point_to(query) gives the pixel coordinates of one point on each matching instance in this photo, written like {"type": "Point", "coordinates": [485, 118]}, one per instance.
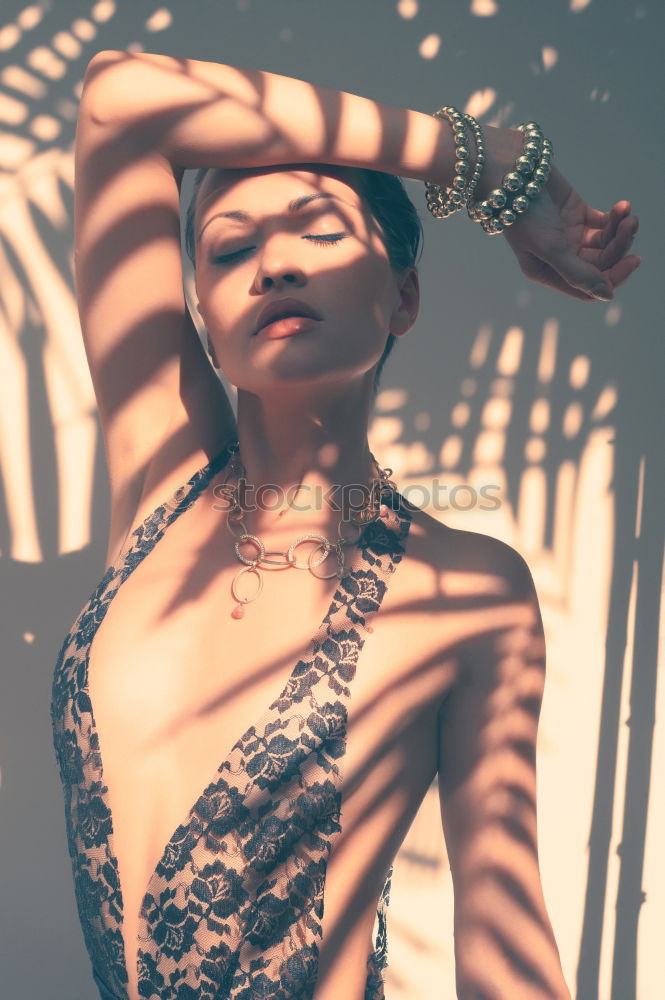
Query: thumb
{"type": "Point", "coordinates": [582, 275]}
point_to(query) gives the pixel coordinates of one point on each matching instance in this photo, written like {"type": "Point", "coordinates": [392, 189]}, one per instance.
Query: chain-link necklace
{"type": "Point", "coordinates": [235, 521]}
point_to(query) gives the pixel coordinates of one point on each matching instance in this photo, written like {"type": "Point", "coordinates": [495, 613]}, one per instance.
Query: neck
{"type": "Point", "coordinates": [305, 461]}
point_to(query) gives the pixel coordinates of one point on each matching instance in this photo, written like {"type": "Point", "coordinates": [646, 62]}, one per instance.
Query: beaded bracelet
{"type": "Point", "coordinates": [458, 193]}
{"type": "Point", "coordinates": [520, 185]}
{"type": "Point", "coordinates": [474, 125]}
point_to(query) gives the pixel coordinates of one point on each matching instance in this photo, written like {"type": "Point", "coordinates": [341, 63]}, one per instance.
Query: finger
{"type": "Point", "coordinates": [594, 217]}
{"type": "Point", "coordinates": [623, 270]}
{"type": "Point", "coordinates": [616, 248]}
{"type": "Point", "coordinates": [542, 274]}
{"type": "Point", "coordinates": [559, 285]}
{"type": "Point", "coordinates": [620, 271]}
{"type": "Point", "coordinates": [581, 274]}
{"type": "Point", "coordinates": [603, 225]}
{"type": "Point", "coordinates": [619, 246]}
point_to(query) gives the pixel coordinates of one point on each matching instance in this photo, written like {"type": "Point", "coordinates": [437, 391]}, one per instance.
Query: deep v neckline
{"type": "Point", "coordinates": [374, 540]}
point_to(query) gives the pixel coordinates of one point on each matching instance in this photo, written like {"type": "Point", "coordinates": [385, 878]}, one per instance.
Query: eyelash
{"type": "Point", "coordinates": [323, 240]}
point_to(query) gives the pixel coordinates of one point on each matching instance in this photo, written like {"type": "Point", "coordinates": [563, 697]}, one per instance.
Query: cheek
{"type": "Point", "coordinates": [219, 301]}
{"type": "Point", "coordinates": [372, 290]}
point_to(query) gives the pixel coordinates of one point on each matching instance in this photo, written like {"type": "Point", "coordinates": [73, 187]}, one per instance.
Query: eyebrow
{"type": "Point", "coordinates": [293, 207]}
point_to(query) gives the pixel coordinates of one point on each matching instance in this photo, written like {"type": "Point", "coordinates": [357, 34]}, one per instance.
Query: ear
{"type": "Point", "coordinates": [405, 312]}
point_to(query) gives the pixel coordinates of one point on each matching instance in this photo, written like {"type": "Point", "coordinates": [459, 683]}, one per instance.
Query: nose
{"type": "Point", "coordinates": [275, 270]}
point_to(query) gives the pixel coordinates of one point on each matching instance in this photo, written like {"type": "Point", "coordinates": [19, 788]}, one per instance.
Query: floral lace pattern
{"type": "Point", "coordinates": [233, 908]}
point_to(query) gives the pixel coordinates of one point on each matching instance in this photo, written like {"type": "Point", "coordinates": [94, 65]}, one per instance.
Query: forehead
{"type": "Point", "coordinates": [269, 189]}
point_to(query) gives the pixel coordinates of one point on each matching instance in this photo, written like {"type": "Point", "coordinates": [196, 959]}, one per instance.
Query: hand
{"type": "Point", "coordinates": [561, 242]}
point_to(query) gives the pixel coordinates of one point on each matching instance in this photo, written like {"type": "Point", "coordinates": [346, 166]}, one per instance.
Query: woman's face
{"type": "Point", "coordinates": [328, 253]}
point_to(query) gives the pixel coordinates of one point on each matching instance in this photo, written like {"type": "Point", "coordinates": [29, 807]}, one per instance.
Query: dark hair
{"type": "Point", "coordinates": [387, 199]}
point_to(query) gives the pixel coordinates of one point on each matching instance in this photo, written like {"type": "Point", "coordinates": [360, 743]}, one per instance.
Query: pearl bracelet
{"type": "Point", "coordinates": [520, 185]}
{"type": "Point", "coordinates": [461, 188]}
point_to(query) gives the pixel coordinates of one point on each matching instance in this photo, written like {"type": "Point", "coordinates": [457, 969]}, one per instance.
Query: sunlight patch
{"type": "Point", "coordinates": [160, 20]}
{"type": "Point", "coordinates": [103, 11]}
{"type": "Point", "coordinates": [407, 9]}
{"type": "Point", "coordinates": [429, 47]}
{"type": "Point", "coordinates": [484, 8]}
{"type": "Point", "coordinates": [480, 102]}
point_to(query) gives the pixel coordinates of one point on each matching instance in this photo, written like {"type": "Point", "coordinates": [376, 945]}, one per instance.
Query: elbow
{"type": "Point", "coordinates": [102, 83]}
{"type": "Point", "coordinates": [100, 62]}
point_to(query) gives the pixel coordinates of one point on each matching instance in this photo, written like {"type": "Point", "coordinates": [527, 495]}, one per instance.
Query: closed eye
{"type": "Point", "coordinates": [323, 239]}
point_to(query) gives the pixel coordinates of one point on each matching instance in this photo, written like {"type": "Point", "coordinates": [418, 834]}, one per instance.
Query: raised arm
{"type": "Point", "coordinates": [210, 114]}
{"type": "Point", "coordinates": [142, 120]}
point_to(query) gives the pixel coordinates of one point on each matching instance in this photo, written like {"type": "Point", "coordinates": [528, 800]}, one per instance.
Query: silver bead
{"type": "Point", "coordinates": [531, 127]}
{"type": "Point", "coordinates": [507, 216]}
{"type": "Point", "coordinates": [524, 164]}
{"type": "Point", "coordinates": [520, 204]}
{"type": "Point", "coordinates": [539, 174]}
{"type": "Point", "coordinates": [459, 193]}
{"type": "Point", "coordinates": [485, 210]}
{"type": "Point", "coordinates": [513, 181]}
{"type": "Point", "coordinates": [497, 198]}
{"type": "Point", "coordinates": [531, 149]}
{"type": "Point", "coordinates": [533, 189]}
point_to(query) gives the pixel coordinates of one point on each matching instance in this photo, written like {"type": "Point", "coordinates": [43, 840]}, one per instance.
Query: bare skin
{"type": "Point", "coordinates": [455, 594]}
{"type": "Point", "coordinates": [464, 692]}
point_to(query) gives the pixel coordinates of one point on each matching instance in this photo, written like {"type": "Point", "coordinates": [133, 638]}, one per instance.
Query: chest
{"type": "Point", "coordinates": [175, 683]}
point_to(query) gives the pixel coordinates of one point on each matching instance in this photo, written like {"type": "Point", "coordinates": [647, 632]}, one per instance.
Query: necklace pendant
{"type": "Point", "coordinates": [238, 611]}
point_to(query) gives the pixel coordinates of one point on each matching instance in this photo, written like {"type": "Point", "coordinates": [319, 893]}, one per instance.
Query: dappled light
{"type": "Point", "coordinates": [407, 8]}
{"type": "Point", "coordinates": [484, 8]}
{"type": "Point", "coordinates": [429, 47]}
{"type": "Point", "coordinates": [508, 411]}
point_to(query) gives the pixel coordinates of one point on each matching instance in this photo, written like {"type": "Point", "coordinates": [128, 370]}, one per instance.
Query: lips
{"type": "Point", "coordinates": [284, 307]}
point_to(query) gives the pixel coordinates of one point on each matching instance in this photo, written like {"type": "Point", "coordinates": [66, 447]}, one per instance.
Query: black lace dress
{"type": "Point", "coordinates": [233, 908]}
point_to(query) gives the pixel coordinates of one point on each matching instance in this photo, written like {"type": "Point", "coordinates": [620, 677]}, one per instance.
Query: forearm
{"type": "Point", "coordinates": [210, 114]}
{"type": "Point", "coordinates": [508, 957]}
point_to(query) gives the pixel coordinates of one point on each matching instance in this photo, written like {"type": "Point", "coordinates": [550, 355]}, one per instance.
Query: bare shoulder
{"type": "Point", "coordinates": [470, 563]}
{"type": "Point", "coordinates": [479, 595]}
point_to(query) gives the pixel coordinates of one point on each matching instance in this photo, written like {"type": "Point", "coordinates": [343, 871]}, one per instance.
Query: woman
{"type": "Point", "coordinates": [408, 649]}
